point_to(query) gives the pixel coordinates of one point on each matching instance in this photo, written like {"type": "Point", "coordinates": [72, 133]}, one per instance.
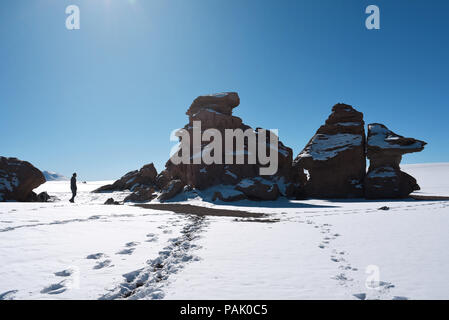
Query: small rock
{"type": "Point", "coordinates": [43, 197]}
{"type": "Point", "coordinates": [111, 201]}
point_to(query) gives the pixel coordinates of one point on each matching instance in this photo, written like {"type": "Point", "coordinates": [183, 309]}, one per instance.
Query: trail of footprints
{"type": "Point", "coordinates": [346, 270]}
{"type": "Point", "coordinates": [170, 259]}
{"type": "Point", "coordinates": [148, 282]}
{"type": "Point", "coordinates": [62, 286]}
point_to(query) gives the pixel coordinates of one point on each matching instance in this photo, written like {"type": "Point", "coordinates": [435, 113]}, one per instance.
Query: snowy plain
{"type": "Point", "coordinates": [312, 249]}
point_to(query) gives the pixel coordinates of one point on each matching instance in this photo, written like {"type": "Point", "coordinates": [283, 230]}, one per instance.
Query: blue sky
{"type": "Point", "coordinates": [103, 100]}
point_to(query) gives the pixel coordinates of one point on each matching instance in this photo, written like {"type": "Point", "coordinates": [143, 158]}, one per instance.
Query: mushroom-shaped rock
{"type": "Point", "coordinates": [384, 150]}
{"type": "Point", "coordinates": [215, 112]}
{"type": "Point", "coordinates": [220, 102]}
{"type": "Point", "coordinates": [335, 156]}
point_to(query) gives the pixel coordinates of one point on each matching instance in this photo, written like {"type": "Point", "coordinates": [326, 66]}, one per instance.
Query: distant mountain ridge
{"type": "Point", "coordinates": [53, 176]}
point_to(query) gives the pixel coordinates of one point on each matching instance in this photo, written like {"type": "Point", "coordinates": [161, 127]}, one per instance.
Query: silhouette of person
{"type": "Point", "coordinates": [73, 187]}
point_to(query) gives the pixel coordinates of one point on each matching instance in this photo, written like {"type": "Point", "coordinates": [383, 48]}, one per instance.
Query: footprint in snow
{"type": "Point", "coordinates": [342, 278]}
{"type": "Point", "coordinates": [151, 237]}
{"type": "Point", "coordinates": [131, 276]}
{"type": "Point", "coordinates": [360, 296]}
{"type": "Point", "coordinates": [335, 259]}
{"type": "Point", "coordinates": [382, 286]}
{"type": "Point", "coordinates": [400, 298]}
{"type": "Point", "coordinates": [102, 264]}
{"type": "Point", "coordinates": [56, 288]}
{"type": "Point", "coordinates": [96, 256]}
{"type": "Point", "coordinates": [348, 267]}
{"type": "Point", "coordinates": [132, 244]}
{"type": "Point", "coordinates": [64, 273]}
{"type": "Point", "coordinates": [8, 295]}
{"type": "Point", "coordinates": [385, 285]}
{"type": "Point", "coordinates": [128, 251]}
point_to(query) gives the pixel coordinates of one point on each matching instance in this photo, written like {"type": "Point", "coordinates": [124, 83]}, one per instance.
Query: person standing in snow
{"type": "Point", "coordinates": [73, 187]}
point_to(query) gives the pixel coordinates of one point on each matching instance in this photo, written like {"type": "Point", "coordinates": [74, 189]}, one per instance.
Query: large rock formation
{"type": "Point", "coordinates": [144, 177]}
{"type": "Point", "coordinates": [18, 179]}
{"type": "Point", "coordinates": [142, 183]}
{"type": "Point", "coordinates": [384, 150]}
{"type": "Point", "coordinates": [332, 165]}
{"type": "Point", "coordinates": [215, 112]}
{"type": "Point", "coordinates": [335, 156]}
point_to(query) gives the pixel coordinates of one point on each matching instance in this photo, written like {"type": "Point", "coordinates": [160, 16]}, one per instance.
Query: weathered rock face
{"type": "Point", "coordinates": [257, 188]}
{"type": "Point", "coordinates": [173, 188]}
{"type": "Point", "coordinates": [141, 194]}
{"type": "Point", "coordinates": [215, 112]}
{"type": "Point", "coordinates": [18, 179]}
{"type": "Point", "coordinates": [143, 183]}
{"type": "Point", "coordinates": [384, 150]}
{"type": "Point", "coordinates": [144, 177]}
{"type": "Point", "coordinates": [222, 103]}
{"type": "Point", "coordinates": [335, 156]}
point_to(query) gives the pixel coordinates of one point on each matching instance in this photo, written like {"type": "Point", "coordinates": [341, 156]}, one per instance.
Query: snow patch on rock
{"type": "Point", "coordinates": [326, 146]}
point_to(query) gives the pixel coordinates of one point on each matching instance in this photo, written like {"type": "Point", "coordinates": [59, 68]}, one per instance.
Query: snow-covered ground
{"type": "Point", "coordinates": [314, 249]}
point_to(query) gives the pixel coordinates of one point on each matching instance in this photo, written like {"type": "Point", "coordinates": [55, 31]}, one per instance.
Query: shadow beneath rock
{"type": "Point", "coordinates": [280, 203]}
{"type": "Point", "coordinates": [199, 210]}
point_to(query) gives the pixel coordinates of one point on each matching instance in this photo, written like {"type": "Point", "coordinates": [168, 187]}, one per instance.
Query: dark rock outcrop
{"type": "Point", "coordinates": [222, 103]}
{"type": "Point", "coordinates": [258, 188]}
{"type": "Point", "coordinates": [44, 197]}
{"type": "Point", "coordinates": [111, 201]}
{"type": "Point", "coordinates": [384, 150]}
{"type": "Point", "coordinates": [335, 157]}
{"type": "Point", "coordinates": [145, 177]}
{"type": "Point", "coordinates": [332, 165]}
{"type": "Point", "coordinates": [172, 189]}
{"type": "Point", "coordinates": [18, 179]}
{"type": "Point", "coordinates": [142, 194]}
{"type": "Point", "coordinates": [215, 112]}
{"type": "Point", "coordinates": [232, 196]}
